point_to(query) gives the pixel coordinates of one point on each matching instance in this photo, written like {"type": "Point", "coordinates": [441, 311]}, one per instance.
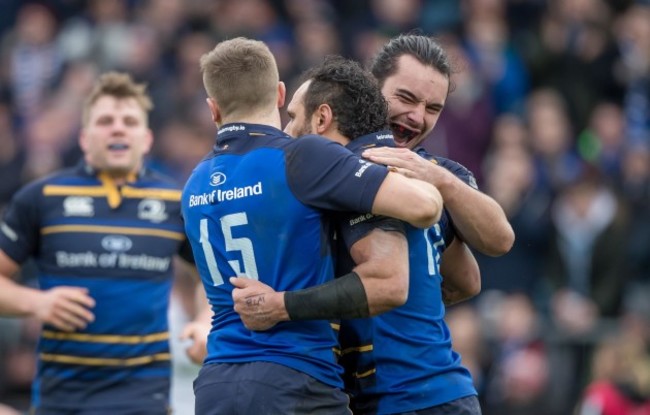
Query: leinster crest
{"type": "Point", "coordinates": [152, 209]}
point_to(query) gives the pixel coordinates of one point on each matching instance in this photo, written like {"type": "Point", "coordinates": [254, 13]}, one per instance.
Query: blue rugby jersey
{"type": "Point", "coordinates": [118, 242]}
{"type": "Point", "coordinates": [350, 227]}
{"type": "Point", "coordinates": [403, 360]}
{"type": "Point", "coordinates": [255, 207]}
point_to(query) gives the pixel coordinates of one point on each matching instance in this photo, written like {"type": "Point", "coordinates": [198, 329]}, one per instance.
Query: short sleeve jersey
{"type": "Point", "coordinates": [255, 207]}
{"type": "Point", "coordinates": [117, 242]}
{"type": "Point", "coordinates": [402, 360]}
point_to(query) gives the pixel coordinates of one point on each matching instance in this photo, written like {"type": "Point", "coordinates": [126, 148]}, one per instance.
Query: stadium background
{"type": "Point", "coordinates": [551, 111]}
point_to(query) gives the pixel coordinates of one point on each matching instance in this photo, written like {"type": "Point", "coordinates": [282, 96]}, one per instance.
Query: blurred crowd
{"type": "Point", "coordinates": [550, 110]}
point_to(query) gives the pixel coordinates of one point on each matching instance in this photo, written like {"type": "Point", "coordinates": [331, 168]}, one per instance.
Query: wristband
{"type": "Point", "coordinates": [344, 297]}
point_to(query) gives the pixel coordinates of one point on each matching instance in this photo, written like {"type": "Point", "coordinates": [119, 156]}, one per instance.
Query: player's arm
{"type": "Point", "coordinates": [411, 200]}
{"type": "Point", "coordinates": [325, 175]}
{"type": "Point", "coordinates": [460, 272]}
{"type": "Point", "coordinates": [66, 308]}
{"type": "Point", "coordinates": [377, 284]}
{"type": "Point", "coordinates": [383, 268]}
{"type": "Point", "coordinates": [478, 218]}
{"type": "Point", "coordinates": [196, 331]}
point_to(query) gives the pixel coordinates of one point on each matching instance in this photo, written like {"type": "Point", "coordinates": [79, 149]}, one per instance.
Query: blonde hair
{"type": "Point", "coordinates": [241, 75]}
{"type": "Point", "coordinates": [121, 86]}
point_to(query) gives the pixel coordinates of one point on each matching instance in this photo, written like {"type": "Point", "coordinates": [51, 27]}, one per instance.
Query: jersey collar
{"type": "Point", "coordinates": [231, 131]}
{"type": "Point", "coordinates": [379, 139]}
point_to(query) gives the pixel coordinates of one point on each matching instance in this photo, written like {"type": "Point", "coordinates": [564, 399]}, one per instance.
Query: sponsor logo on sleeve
{"type": "Point", "coordinates": [8, 232]}
{"type": "Point", "coordinates": [363, 168]}
{"type": "Point", "coordinates": [472, 182]}
{"type": "Point", "coordinates": [361, 218]}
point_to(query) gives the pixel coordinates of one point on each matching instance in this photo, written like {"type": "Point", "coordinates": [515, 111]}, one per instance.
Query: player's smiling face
{"type": "Point", "coordinates": [416, 95]}
{"type": "Point", "coordinates": [116, 136]}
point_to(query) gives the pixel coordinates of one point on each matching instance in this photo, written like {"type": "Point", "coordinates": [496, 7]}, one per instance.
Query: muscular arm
{"type": "Point", "coordinates": [478, 218]}
{"type": "Point", "coordinates": [382, 264]}
{"type": "Point", "coordinates": [410, 200]}
{"type": "Point", "coordinates": [382, 258]}
{"type": "Point", "coordinates": [66, 308]}
{"type": "Point", "coordinates": [461, 274]}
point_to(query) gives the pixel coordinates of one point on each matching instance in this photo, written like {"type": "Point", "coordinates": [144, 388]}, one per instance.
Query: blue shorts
{"type": "Point", "coordinates": [134, 396]}
{"type": "Point", "coordinates": [264, 388]}
{"type": "Point", "coordinates": [464, 406]}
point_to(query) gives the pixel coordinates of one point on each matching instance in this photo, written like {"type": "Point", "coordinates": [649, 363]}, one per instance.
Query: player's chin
{"type": "Point", "coordinates": [119, 168]}
{"type": "Point", "coordinates": [401, 143]}
{"type": "Point", "coordinates": [410, 143]}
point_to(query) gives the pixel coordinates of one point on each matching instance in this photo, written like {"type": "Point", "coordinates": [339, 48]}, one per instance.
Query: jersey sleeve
{"type": "Point", "coordinates": [458, 170]}
{"type": "Point", "coordinates": [352, 227]}
{"type": "Point", "coordinates": [464, 174]}
{"type": "Point", "coordinates": [326, 175]}
{"type": "Point", "coordinates": [19, 230]}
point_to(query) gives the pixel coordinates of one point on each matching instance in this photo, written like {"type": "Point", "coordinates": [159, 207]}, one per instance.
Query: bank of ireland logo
{"type": "Point", "coordinates": [217, 179]}
{"type": "Point", "coordinates": [116, 243]}
{"type": "Point", "coordinates": [152, 209]}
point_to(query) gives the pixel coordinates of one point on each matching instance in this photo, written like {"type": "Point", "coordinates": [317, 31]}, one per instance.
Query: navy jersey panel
{"type": "Point", "coordinates": [326, 175]}
{"type": "Point", "coordinates": [118, 242]}
{"type": "Point", "coordinates": [351, 227]}
{"type": "Point", "coordinates": [254, 208]}
{"type": "Point", "coordinates": [402, 360]}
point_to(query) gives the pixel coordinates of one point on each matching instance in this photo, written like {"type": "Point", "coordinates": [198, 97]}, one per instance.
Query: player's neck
{"type": "Point", "coordinates": [337, 137]}
{"type": "Point", "coordinates": [271, 119]}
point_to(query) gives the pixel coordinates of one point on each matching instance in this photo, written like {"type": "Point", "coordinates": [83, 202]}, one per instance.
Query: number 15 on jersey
{"type": "Point", "coordinates": [243, 245]}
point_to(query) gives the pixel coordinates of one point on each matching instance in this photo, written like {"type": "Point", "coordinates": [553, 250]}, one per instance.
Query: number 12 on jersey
{"type": "Point", "coordinates": [243, 245]}
{"type": "Point", "coordinates": [433, 261]}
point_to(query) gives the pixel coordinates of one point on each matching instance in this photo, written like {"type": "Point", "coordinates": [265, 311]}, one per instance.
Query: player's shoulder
{"type": "Point", "coordinates": [156, 179]}
{"type": "Point", "coordinates": [455, 167]}
{"type": "Point", "coordinates": [317, 146]}
{"type": "Point", "coordinates": [36, 187]}
{"type": "Point", "coordinates": [313, 140]}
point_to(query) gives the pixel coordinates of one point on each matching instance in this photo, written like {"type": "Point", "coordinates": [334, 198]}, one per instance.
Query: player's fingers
{"type": "Point", "coordinates": [71, 319]}
{"type": "Point", "coordinates": [401, 170]}
{"type": "Point", "coordinates": [196, 353]}
{"type": "Point", "coordinates": [239, 282]}
{"type": "Point", "coordinates": [77, 310]}
{"type": "Point", "coordinates": [61, 324]}
{"type": "Point", "coordinates": [389, 161]}
{"type": "Point", "coordinates": [187, 333]}
{"type": "Point", "coordinates": [386, 152]}
{"type": "Point", "coordinates": [80, 295]}
{"type": "Point", "coordinates": [378, 152]}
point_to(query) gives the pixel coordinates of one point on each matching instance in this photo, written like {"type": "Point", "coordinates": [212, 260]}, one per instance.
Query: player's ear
{"type": "Point", "coordinates": [83, 140]}
{"type": "Point", "coordinates": [214, 110]}
{"type": "Point", "coordinates": [148, 141]}
{"type": "Point", "coordinates": [282, 94]}
{"type": "Point", "coordinates": [324, 118]}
